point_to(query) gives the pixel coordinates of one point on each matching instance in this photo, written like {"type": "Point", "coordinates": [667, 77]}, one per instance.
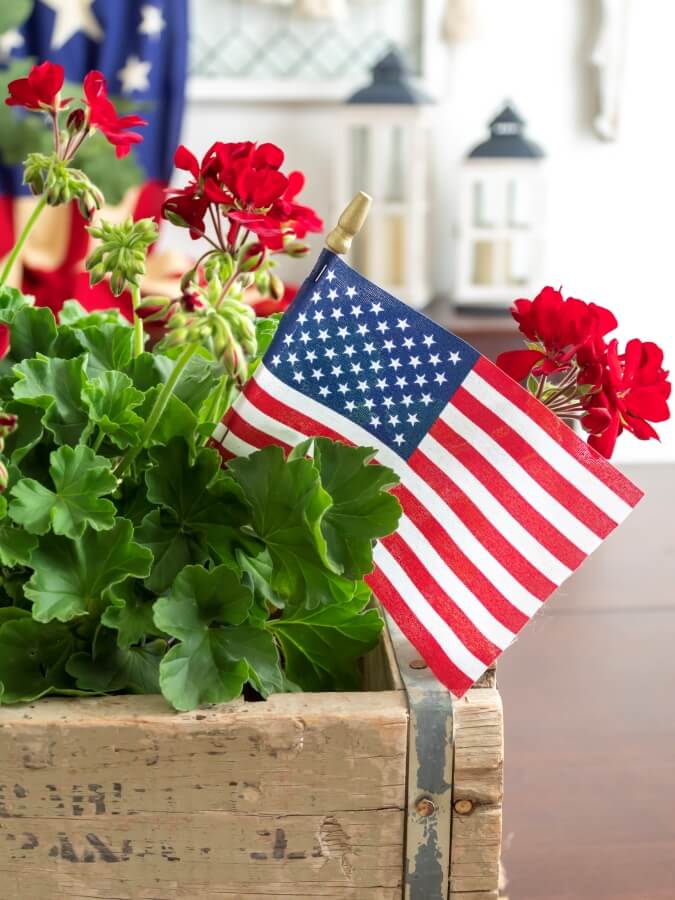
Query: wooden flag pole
{"type": "Point", "coordinates": [339, 240]}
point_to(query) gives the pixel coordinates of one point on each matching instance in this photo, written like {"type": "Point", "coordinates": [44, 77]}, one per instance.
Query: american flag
{"type": "Point", "coordinates": [501, 500]}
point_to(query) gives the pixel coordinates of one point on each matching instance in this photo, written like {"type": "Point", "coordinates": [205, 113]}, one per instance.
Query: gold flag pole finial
{"type": "Point", "coordinates": [339, 240]}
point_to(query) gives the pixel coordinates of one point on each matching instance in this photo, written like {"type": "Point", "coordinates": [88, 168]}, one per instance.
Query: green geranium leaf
{"type": "Point", "coordinates": [33, 331]}
{"type": "Point", "coordinates": [321, 646]}
{"type": "Point", "coordinates": [108, 346]}
{"type": "Point", "coordinates": [73, 313]}
{"type": "Point", "coordinates": [29, 432]}
{"type": "Point", "coordinates": [173, 547]}
{"type": "Point", "coordinates": [11, 301]}
{"type": "Point", "coordinates": [54, 385]}
{"type": "Point", "coordinates": [70, 577]}
{"type": "Point", "coordinates": [80, 479]}
{"type": "Point", "coordinates": [183, 487]}
{"type": "Point", "coordinates": [288, 505]}
{"type": "Point", "coordinates": [130, 613]}
{"type": "Point", "coordinates": [32, 659]}
{"type": "Point", "coordinates": [202, 668]}
{"type": "Point", "coordinates": [201, 672]}
{"type": "Point", "coordinates": [111, 400]}
{"type": "Point", "coordinates": [16, 546]}
{"type": "Point", "coordinates": [113, 668]}
{"type": "Point", "coordinates": [200, 598]}
{"type": "Point", "coordinates": [362, 509]}
{"type": "Point", "coordinates": [10, 613]}
{"type": "Point", "coordinates": [177, 420]}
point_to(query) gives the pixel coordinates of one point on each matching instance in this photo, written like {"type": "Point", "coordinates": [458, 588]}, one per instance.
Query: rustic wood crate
{"type": "Point", "coordinates": [304, 796]}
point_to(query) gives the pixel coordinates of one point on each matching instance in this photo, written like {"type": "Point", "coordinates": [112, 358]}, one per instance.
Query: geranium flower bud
{"type": "Point", "coordinates": [8, 423]}
{"type": "Point", "coordinates": [75, 121]}
{"type": "Point", "coordinates": [4, 477]}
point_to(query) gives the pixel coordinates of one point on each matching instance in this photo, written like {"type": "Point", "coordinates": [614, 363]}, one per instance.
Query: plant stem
{"type": "Point", "coordinates": [32, 219]}
{"type": "Point", "coordinates": [157, 410]}
{"type": "Point", "coordinates": [138, 322]}
{"type": "Point", "coordinates": [99, 440]}
{"type": "Point", "coordinates": [226, 287]}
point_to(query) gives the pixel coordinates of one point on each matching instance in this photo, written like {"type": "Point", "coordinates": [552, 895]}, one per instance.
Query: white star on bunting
{"type": "Point", "coordinates": [9, 41]}
{"type": "Point", "coordinates": [135, 76]}
{"type": "Point", "coordinates": [73, 16]}
{"type": "Point", "coordinates": [153, 21]}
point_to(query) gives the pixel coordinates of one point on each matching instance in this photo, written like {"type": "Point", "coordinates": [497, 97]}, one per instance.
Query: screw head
{"type": "Point", "coordinates": [463, 807]}
{"type": "Point", "coordinates": [418, 664]}
{"type": "Point", "coordinates": [425, 807]}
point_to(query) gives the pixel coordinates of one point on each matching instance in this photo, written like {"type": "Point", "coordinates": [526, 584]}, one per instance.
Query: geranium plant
{"type": "Point", "coordinates": [581, 375]}
{"type": "Point", "coordinates": [131, 559]}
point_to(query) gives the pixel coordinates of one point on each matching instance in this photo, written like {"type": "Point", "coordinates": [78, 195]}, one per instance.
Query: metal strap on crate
{"type": "Point", "coordinates": [430, 772]}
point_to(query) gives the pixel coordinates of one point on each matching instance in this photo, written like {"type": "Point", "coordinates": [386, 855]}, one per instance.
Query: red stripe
{"type": "Point", "coordinates": [225, 455]}
{"type": "Point", "coordinates": [494, 482]}
{"type": "Point", "coordinates": [562, 433]}
{"type": "Point", "coordinates": [480, 586]}
{"type": "Point", "coordinates": [552, 481]}
{"type": "Point", "coordinates": [241, 429]}
{"type": "Point", "coordinates": [472, 638]}
{"type": "Point", "coordinates": [437, 660]}
{"type": "Point", "coordinates": [282, 413]}
{"type": "Point", "coordinates": [502, 550]}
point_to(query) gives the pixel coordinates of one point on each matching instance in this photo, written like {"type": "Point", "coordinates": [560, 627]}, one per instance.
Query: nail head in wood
{"type": "Point", "coordinates": [349, 224]}
{"type": "Point", "coordinates": [418, 664]}
{"type": "Point", "coordinates": [463, 807]}
{"type": "Point", "coordinates": [425, 807]}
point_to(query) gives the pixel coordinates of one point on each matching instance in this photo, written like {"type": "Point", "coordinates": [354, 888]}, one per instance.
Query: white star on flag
{"type": "Point", "coordinates": [135, 76]}
{"type": "Point", "coordinates": [153, 21]}
{"type": "Point", "coordinates": [73, 16]}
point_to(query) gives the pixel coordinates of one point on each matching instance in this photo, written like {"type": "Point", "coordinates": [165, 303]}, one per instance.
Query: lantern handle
{"type": "Point", "coordinates": [339, 240]}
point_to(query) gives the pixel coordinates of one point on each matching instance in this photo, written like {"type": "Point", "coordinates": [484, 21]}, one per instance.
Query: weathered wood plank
{"type": "Point", "coordinates": [477, 795]}
{"type": "Point", "coordinates": [121, 799]}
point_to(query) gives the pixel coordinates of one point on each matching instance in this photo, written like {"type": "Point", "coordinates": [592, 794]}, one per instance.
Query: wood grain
{"type": "Point", "coordinates": [477, 794]}
{"type": "Point", "coordinates": [301, 796]}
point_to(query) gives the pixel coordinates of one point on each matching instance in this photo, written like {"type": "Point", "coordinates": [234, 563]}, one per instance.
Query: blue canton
{"type": "Point", "coordinates": [366, 355]}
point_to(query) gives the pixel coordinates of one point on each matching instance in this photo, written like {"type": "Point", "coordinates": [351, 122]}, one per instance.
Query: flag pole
{"type": "Point", "coordinates": [339, 240]}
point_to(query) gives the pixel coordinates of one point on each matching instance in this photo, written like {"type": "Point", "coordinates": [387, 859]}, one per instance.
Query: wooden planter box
{"type": "Point", "coordinates": [351, 796]}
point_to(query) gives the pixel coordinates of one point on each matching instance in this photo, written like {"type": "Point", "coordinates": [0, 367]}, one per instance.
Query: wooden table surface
{"type": "Point", "coordinates": [589, 699]}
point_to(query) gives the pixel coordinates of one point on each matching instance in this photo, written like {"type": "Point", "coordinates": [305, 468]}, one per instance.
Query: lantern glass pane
{"type": "Point", "coordinates": [517, 261]}
{"type": "Point", "coordinates": [486, 204]}
{"type": "Point", "coordinates": [519, 203]}
{"type": "Point", "coordinates": [395, 171]}
{"type": "Point", "coordinates": [484, 268]}
{"type": "Point", "coordinates": [361, 150]}
{"type": "Point", "coordinates": [394, 249]}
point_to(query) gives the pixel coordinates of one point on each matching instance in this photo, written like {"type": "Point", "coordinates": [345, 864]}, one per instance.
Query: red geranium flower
{"type": "Point", "coordinates": [102, 115]}
{"type": "Point", "coordinates": [557, 330]}
{"type": "Point", "coordinates": [188, 206]}
{"type": "Point", "coordinates": [39, 90]}
{"type": "Point", "coordinates": [634, 392]}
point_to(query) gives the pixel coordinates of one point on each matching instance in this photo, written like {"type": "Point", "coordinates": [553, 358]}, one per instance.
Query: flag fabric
{"type": "Point", "coordinates": [501, 500]}
{"type": "Point", "coordinates": [140, 46]}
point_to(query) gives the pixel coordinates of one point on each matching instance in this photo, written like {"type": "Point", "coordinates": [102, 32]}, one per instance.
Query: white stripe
{"type": "Point", "coordinates": [237, 446]}
{"type": "Point", "coordinates": [555, 455]}
{"type": "Point", "coordinates": [502, 579]}
{"type": "Point", "coordinates": [446, 638]}
{"type": "Point", "coordinates": [263, 422]}
{"type": "Point", "coordinates": [520, 538]}
{"type": "Point", "coordinates": [482, 618]}
{"type": "Point", "coordinates": [532, 492]}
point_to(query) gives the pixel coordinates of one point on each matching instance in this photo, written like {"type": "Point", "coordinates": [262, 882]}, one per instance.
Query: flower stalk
{"type": "Point", "coordinates": [18, 246]}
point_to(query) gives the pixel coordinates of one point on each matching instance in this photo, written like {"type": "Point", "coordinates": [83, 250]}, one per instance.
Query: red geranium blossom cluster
{"type": "Point", "coordinates": [579, 374]}
{"type": "Point", "coordinates": [41, 91]}
{"type": "Point", "coordinates": [242, 182]}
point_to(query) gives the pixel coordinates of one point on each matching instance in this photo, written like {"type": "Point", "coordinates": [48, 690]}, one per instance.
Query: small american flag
{"type": "Point", "coordinates": [501, 500]}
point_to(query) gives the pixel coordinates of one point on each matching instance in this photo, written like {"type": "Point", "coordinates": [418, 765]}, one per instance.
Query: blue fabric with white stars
{"type": "Point", "coordinates": [141, 48]}
{"type": "Point", "coordinates": [366, 355]}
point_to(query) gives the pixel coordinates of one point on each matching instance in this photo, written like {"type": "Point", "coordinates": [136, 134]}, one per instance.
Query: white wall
{"type": "Point", "coordinates": [611, 206]}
